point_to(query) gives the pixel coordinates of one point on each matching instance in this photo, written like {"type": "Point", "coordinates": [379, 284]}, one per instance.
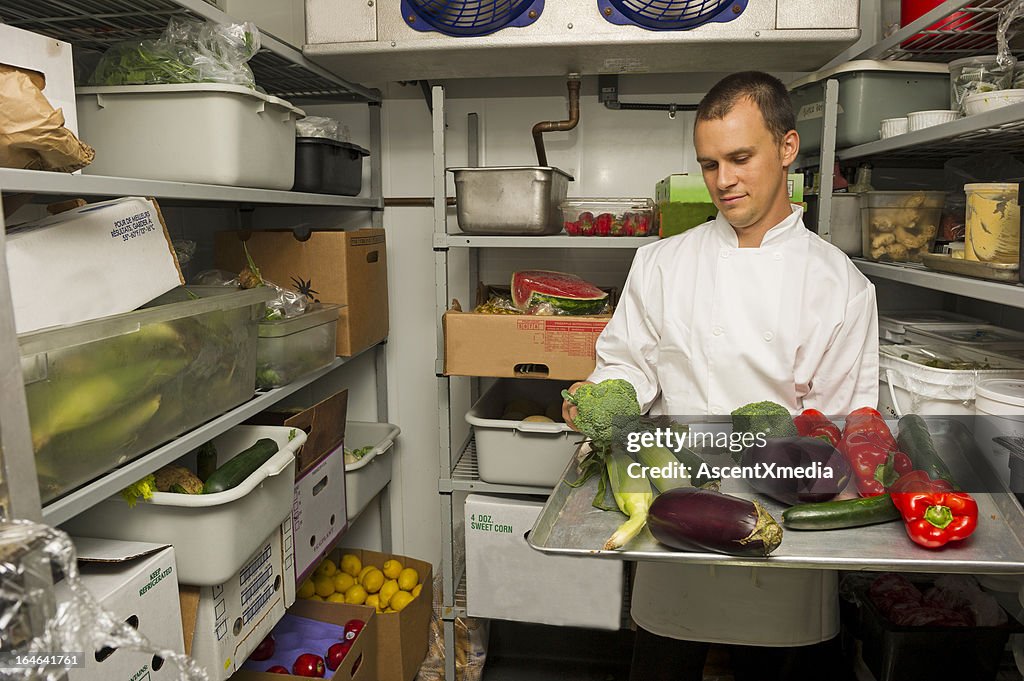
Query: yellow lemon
{"type": "Point", "coordinates": [392, 569]}
{"type": "Point", "coordinates": [326, 568]}
{"type": "Point", "coordinates": [416, 591]}
{"type": "Point", "coordinates": [343, 581]}
{"type": "Point", "coordinates": [314, 597]}
{"type": "Point", "coordinates": [373, 600]}
{"type": "Point", "coordinates": [350, 564]}
{"type": "Point", "coordinates": [362, 573]}
{"type": "Point", "coordinates": [408, 579]}
{"type": "Point", "coordinates": [356, 595]}
{"type": "Point", "coordinates": [323, 585]}
{"type": "Point", "coordinates": [307, 589]}
{"type": "Point", "coordinates": [389, 589]}
{"type": "Point", "coordinates": [336, 598]}
{"type": "Point", "coordinates": [373, 581]}
{"type": "Point", "coordinates": [389, 610]}
{"type": "Point", "coordinates": [400, 600]}
{"type": "Point", "coordinates": [380, 610]}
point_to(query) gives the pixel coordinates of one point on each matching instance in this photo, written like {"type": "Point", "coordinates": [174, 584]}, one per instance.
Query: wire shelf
{"type": "Point", "coordinates": [97, 24]}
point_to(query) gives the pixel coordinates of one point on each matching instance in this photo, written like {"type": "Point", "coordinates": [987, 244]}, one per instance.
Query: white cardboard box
{"type": "Point", "coordinates": [131, 580]}
{"type": "Point", "coordinates": [318, 511]}
{"type": "Point", "coordinates": [98, 260]}
{"type": "Point", "coordinates": [50, 57]}
{"type": "Point", "coordinates": [507, 579]}
{"type": "Point", "coordinates": [223, 624]}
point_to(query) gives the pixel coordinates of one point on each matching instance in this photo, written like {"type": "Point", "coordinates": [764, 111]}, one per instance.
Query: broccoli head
{"type": "Point", "coordinates": [603, 407]}
{"type": "Point", "coordinates": [766, 417]}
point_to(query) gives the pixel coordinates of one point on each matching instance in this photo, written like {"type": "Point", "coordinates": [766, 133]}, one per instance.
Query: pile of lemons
{"type": "Point", "coordinates": [389, 588]}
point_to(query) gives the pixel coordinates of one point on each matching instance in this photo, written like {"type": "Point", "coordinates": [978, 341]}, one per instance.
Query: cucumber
{"type": "Point", "coordinates": [206, 460]}
{"type": "Point", "coordinates": [240, 466]}
{"type": "Point", "coordinates": [915, 441]}
{"type": "Point", "coordinates": [835, 515]}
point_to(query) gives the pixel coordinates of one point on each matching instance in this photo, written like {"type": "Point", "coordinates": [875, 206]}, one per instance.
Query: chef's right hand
{"type": "Point", "coordinates": [569, 410]}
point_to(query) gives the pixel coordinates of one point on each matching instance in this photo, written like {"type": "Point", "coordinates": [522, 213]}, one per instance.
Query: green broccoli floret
{"type": "Point", "coordinates": [604, 408]}
{"type": "Point", "coordinates": [766, 417]}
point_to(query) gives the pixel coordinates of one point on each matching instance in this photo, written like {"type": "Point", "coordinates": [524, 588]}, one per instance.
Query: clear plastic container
{"type": "Point", "coordinates": [289, 349]}
{"type": "Point", "coordinates": [993, 223]}
{"type": "Point", "coordinates": [609, 217]}
{"type": "Point", "coordinates": [892, 324]}
{"type": "Point", "coordinates": [103, 392]}
{"type": "Point", "coordinates": [976, 336]}
{"type": "Point", "coordinates": [977, 74]}
{"type": "Point", "coordinates": [900, 226]}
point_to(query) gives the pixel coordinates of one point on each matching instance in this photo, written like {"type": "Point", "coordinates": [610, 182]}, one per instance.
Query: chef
{"type": "Point", "coordinates": [748, 307]}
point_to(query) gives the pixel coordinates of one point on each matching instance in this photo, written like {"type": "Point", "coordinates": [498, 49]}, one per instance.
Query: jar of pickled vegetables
{"type": "Point", "coordinates": [993, 223]}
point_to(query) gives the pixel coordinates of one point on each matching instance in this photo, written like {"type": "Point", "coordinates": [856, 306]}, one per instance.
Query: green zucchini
{"type": "Point", "coordinates": [206, 460]}
{"type": "Point", "coordinates": [240, 466]}
{"type": "Point", "coordinates": [835, 515]}
{"type": "Point", "coordinates": [915, 441]}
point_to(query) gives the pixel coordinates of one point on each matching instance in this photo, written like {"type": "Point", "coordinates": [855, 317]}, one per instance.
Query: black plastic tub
{"type": "Point", "coordinates": [325, 166]}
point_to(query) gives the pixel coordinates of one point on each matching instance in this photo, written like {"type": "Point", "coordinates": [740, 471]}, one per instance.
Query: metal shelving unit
{"type": "Point", "coordinates": [1011, 295]}
{"type": "Point", "coordinates": [37, 181]}
{"type": "Point", "coordinates": [466, 478]}
{"type": "Point", "coordinates": [462, 240]}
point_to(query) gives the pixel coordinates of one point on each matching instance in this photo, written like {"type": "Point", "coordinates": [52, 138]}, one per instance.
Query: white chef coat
{"type": "Point", "coordinates": [703, 327]}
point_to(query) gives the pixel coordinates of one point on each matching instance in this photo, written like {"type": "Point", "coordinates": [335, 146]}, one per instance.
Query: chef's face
{"type": "Point", "coordinates": [745, 165]}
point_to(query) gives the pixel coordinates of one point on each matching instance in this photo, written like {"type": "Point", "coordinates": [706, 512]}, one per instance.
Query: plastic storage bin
{"type": "Point", "coordinates": [212, 534]}
{"type": "Point", "coordinates": [200, 132]}
{"type": "Point", "coordinates": [999, 410]}
{"type": "Point", "coordinates": [510, 200]}
{"type": "Point", "coordinates": [869, 92]}
{"type": "Point", "coordinates": [993, 223]}
{"type": "Point", "coordinates": [936, 379]}
{"type": "Point", "coordinates": [289, 349]}
{"type": "Point", "coordinates": [892, 325]}
{"type": "Point", "coordinates": [326, 166]}
{"type": "Point", "coordinates": [609, 217]}
{"type": "Point", "coordinates": [972, 75]}
{"type": "Point", "coordinates": [900, 226]}
{"type": "Point", "coordinates": [103, 392]}
{"type": "Point", "coordinates": [984, 337]}
{"type": "Point", "coordinates": [365, 478]}
{"type": "Point", "coordinates": [511, 451]}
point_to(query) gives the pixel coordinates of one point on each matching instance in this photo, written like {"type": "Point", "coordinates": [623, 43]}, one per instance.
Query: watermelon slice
{"type": "Point", "coordinates": [567, 293]}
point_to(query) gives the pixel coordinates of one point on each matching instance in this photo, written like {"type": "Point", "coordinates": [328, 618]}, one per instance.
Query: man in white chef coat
{"type": "Point", "coordinates": [751, 306]}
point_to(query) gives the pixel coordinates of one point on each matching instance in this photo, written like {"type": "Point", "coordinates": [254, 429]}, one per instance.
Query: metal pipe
{"type": "Point", "coordinates": [558, 126]}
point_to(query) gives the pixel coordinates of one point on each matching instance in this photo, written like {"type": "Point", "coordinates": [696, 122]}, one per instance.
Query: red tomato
{"type": "Point", "coordinates": [278, 669]}
{"type": "Point", "coordinates": [265, 650]}
{"type": "Point", "coordinates": [308, 664]}
{"type": "Point", "coordinates": [336, 653]}
{"type": "Point", "coordinates": [352, 629]}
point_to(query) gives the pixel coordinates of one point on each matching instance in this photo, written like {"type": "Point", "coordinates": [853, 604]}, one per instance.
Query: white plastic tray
{"type": "Point", "coordinates": [212, 534]}
{"type": "Point", "coordinates": [365, 478]}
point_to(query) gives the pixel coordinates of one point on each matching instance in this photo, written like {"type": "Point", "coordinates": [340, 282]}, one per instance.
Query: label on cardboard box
{"type": "Point", "coordinates": [101, 259]}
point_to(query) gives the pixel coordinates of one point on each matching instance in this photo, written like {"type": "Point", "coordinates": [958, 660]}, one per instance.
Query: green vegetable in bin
{"type": "Point", "coordinates": [240, 466]}
{"type": "Point", "coordinates": [152, 341]}
{"type": "Point", "coordinates": [143, 489]}
{"type": "Point", "coordinates": [206, 460]}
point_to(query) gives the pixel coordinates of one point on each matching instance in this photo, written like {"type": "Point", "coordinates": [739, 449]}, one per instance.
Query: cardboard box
{"type": "Point", "coordinates": [518, 346]}
{"type": "Point", "coordinates": [684, 201]}
{"type": "Point", "coordinates": [346, 268]}
{"type": "Point", "coordinates": [52, 58]}
{"type": "Point", "coordinates": [137, 583]}
{"type": "Point", "coordinates": [401, 636]}
{"type": "Point", "coordinates": [360, 664]}
{"type": "Point", "coordinates": [507, 579]}
{"type": "Point", "coordinates": [102, 259]}
{"type": "Point", "coordinates": [223, 624]}
{"type": "Point", "coordinates": [318, 514]}
{"type": "Point", "coordinates": [323, 423]}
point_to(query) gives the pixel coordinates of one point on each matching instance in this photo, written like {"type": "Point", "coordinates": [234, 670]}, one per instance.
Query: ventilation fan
{"type": "Point", "coordinates": [467, 18]}
{"type": "Point", "coordinates": [670, 15]}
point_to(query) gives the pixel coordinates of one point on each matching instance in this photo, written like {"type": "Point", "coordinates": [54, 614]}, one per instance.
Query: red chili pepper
{"type": "Point", "coordinates": [872, 452]}
{"type": "Point", "coordinates": [812, 423]}
{"type": "Point", "coordinates": [933, 514]}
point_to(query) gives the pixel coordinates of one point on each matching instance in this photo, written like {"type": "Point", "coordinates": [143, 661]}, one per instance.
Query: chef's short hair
{"type": "Point", "coordinates": [766, 91]}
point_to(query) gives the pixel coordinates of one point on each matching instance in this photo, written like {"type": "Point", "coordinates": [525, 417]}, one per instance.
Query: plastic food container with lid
{"type": "Point", "coordinates": [289, 349]}
{"type": "Point", "coordinates": [1000, 413]}
{"type": "Point", "coordinates": [993, 223]}
{"type": "Point", "coordinates": [987, 337]}
{"type": "Point", "coordinates": [900, 226]}
{"type": "Point", "coordinates": [977, 74]}
{"type": "Point", "coordinates": [892, 325]}
{"type": "Point", "coordinates": [608, 217]}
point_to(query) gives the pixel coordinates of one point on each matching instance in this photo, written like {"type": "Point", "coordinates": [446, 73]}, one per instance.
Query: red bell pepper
{"type": "Point", "coordinates": [872, 452]}
{"type": "Point", "coordinates": [933, 514]}
{"type": "Point", "coordinates": [812, 423]}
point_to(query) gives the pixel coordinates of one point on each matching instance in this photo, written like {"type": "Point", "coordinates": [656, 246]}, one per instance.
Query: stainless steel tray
{"type": "Point", "coordinates": [569, 525]}
{"type": "Point", "coordinates": [983, 270]}
{"type": "Point", "coordinates": [507, 200]}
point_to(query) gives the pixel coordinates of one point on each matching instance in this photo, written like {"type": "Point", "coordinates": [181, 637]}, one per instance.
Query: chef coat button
{"type": "Point", "coordinates": [725, 254]}
{"type": "Point", "coordinates": [768, 335]}
{"type": "Point", "coordinates": [717, 331]}
{"type": "Point", "coordinates": [778, 256]}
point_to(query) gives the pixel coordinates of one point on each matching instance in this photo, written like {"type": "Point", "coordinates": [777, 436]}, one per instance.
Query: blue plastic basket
{"type": "Point", "coordinates": [670, 15]}
{"type": "Point", "coordinates": [469, 18]}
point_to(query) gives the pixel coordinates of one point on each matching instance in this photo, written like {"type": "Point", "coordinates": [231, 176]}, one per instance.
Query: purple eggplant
{"type": "Point", "coordinates": [692, 519]}
{"type": "Point", "coordinates": [774, 468]}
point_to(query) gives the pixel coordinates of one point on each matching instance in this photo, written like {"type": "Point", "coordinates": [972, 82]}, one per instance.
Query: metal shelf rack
{"type": "Point", "coordinates": [462, 240]}
{"type": "Point", "coordinates": [1011, 295]}
{"type": "Point", "coordinates": [280, 69]}
{"type": "Point", "coordinates": [466, 478]}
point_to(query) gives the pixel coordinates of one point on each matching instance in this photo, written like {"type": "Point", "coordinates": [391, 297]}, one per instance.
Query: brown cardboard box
{"type": "Point", "coordinates": [346, 268]}
{"type": "Point", "coordinates": [361, 662]}
{"type": "Point", "coordinates": [401, 636]}
{"type": "Point", "coordinates": [323, 423]}
{"type": "Point", "coordinates": [518, 346]}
